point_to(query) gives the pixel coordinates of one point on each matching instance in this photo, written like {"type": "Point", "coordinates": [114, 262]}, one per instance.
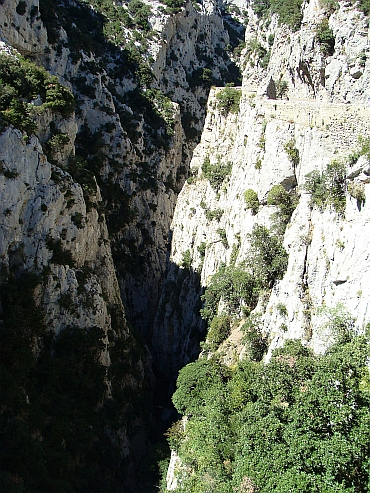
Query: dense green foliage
{"type": "Point", "coordinates": [173, 6]}
{"type": "Point", "coordinates": [300, 423]}
{"type": "Point", "coordinates": [362, 149]}
{"type": "Point", "coordinates": [257, 53]}
{"type": "Point", "coordinates": [235, 286]}
{"type": "Point", "coordinates": [254, 339]}
{"type": "Point", "coordinates": [215, 214]}
{"type": "Point", "coordinates": [286, 202]}
{"type": "Point", "coordinates": [329, 187]}
{"type": "Point", "coordinates": [292, 151]}
{"type": "Point", "coordinates": [251, 200]}
{"type": "Point", "coordinates": [325, 37]}
{"type": "Point", "coordinates": [22, 81]}
{"type": "Point", "coordinates": [268, 259]}
{"type": "Point", "coordinates": [228, 100]}
{"type": "Point", "coordinates": [140, 12]}
{"type": "Point", "coordinates": [56, 421]}
{"type": "Point", "coordinates": [364, 5]}
{"type": "Point", "coordinates": [219, 329]}
{"type": "Point", "coordinates": [216, 173]}
{"type": "Point", "coordinates": [289, 13]}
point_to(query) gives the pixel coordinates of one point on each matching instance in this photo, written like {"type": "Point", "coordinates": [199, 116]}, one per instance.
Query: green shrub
{"type": "Point", "coordinates": [175, 435]}
{"type": "Point", "coordinates": [215, 214]}
{"type": "Point", "coordinates": [66, 302]}
{"type": "Point", "coordinates": [60, 256]}
{"type": "Point", "coordinates": [357, 191]}
{"type": "Point", "coordinates": [281, 308]}
{"type": "Point", "coordinates": [58, 141]}
{"type": "Point", "coordinates": [174, 6]}
{"type": "Point", "coordinates": [140, 12]}
{"type": "Point", "coordinates": [186, 259]}
{"type": "Point", "coordinates": [286, 202]}
{"type": "Point", "coordinates": [216, 173]}
{"type": "Point", "coordinates": [363, 149]}
{"type": "Point", "coordinates": [218, 331]}
{"type": "Point", "coordinates": [290, 13]}
{"type": "Point", "coordinates": [77, 220]}
{"type": "Point", "coordinates": [255, 341]}
{"type": "Point", "coordinates": [251, 200]}
{"type": "Point", "coordinates": [281, 87]}
{"type": "Point", "coordinates": [10, 174]}
{"type": "Point", "coordinates": [202, 249]}
{"type": "Point", "coordinates": [20, 82]}
{"type": "Point", "coordinates": [223, 236]}
{"type": "Point", "coordinates": [55, 144]}
{"type": "Point", "coordinates": [21, 8]}
{"type": "Point", "coordinates": [58, 97]}
{"type": "Point", "coordinates": [329, 187]}
{"type": "Point", "coordinates": [193, 384]}
{"type": "Point", "coordinates": [292, 151]}
{"type": "Point", "coordinates": [340, 322]}
{"type": "Point", "coordinates": [228, 100]}
{"type": "Point", "coordinates": [235, 286]}
{"type": "Point", "coordinates": [267, 258]}
{"type": "Point", "coordinates": [325, 37]}
{"type": "Point", "coordinates": [364, 5]}
{"type": "Point", "coordinates": [278, 196]}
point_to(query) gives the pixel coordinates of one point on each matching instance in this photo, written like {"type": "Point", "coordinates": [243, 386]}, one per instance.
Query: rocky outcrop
{"type": "Point", "coordinates": [21, 26]}
{"type": "Point", "coordinates": [300, 60]}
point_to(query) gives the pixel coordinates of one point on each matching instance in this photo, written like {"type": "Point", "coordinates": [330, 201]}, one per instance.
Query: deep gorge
{"type": "Point", "coordinates": [179, 180]}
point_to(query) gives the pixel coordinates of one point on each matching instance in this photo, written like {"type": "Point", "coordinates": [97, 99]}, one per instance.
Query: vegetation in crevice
{"type": "Point", "coordinates": [235, 289]}
{"type": "Point", "coordinates": [257, 53]}
{"type": "Point", "coordinates": [251, 200]}
{"type": "Point", "coordinates": [292, 151]}
{"type": "Point", "coordinates": [216, 173]}
{"type": "Point", "coordinates": [286, 203]}
{"type": "Point", "coordinates": [290, 13]}
{"type": "Point", "coordinates": [362, 149]}
{"type": "Point", "coordinates": [214, 214]}
{"type": "Point", "coordinates": [21, 82]}
{"type": "Point", "coordinates": [328, 189]}
{"type": "Point", "coordinates": [325, 37]}
{"type": "Point", "coordinates": [228, 100]}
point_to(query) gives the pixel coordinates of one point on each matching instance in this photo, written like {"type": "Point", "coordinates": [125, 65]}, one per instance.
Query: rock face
{"type": "Point", "coordinates": [299, 59]}
{"type": "Point", "coordinates": [327, 266]}
{"type": "Point", "coordinates": [21, 26]}
{"type": "Point", "coordinates": [42, 207]}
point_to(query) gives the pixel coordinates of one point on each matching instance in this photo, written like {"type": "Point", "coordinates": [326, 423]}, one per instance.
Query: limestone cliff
{"type": "Point", "coordinates": [320, 114]}
{"type": "Point", "coordinates": [302, 108]}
